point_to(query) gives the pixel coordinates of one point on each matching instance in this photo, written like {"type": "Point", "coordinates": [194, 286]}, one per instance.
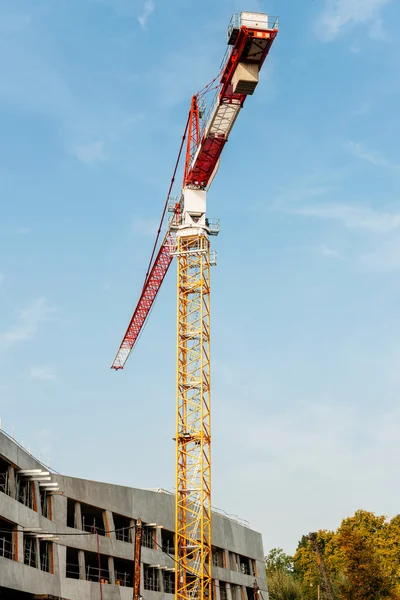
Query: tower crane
{"type": "Point", "coordinates": [187, 237]}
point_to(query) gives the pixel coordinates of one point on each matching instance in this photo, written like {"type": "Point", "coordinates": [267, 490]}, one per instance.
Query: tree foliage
{"type": "Point", "coordinates": [361, 559]}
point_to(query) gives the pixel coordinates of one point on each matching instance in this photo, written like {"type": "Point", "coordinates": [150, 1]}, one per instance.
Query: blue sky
{"type": "Point", "coordinates": [305, 308]}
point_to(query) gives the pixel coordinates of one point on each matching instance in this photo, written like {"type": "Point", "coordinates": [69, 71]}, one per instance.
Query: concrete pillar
{"type": "Point", "coordinates": [19, 544]}
{"type": "Point", "coordinates": [78, 516]}
{"type": "Point", "coordinates": [60, 559]}
{"type": "Point", "coordinates": [37, 550]}
{"type": "Point", "coordinates": [142, 590]}
{"type": "Point", "coordinates": [158, 538]}
{"type": "Point", "coordinates": [111, 570]}
{"type": "Point", "coordinates": [217, 594]}
{"type": "Point", "coordinates": [36, 496]}
{"type": "Point", "coordinates": [229, 591]}
{"type": "Point", "coordinates": [82, 567]}
{"type": "Point", "coordinates": [11, 481]}
{"type": "Point", "coordinates": [109, 524]}
{"type": "Point", "coordinates": [226, 559]}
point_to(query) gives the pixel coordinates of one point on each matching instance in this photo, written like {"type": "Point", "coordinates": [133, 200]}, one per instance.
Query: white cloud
{"type": "Point", "coordinates": [341, 13]}
{"type": "Point", "coordinates": [90, 153]}
{"type": "Point", "coordinates": [354, 217]}
{"type": "Point", "coordinates": [28, 324]}
{"type": "Point", "coordinates": [42, 373]}
{"type": "Point", "coordinates": [357, 149]}
{"type": "Point", "coordinates": [148, 9]}
{"type": "Point", "coordinates": [328, 252]}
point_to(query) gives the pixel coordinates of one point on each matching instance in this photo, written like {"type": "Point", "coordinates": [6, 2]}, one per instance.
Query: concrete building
{"type": "Point", "coordinates": [49, 548]}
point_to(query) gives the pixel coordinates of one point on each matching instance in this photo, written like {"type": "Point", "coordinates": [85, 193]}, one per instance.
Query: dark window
{"type": "Point", "coordinates": [151, 578]}
{"type": "Point", "coordinates": [250, 593]}
{"type": "Point", "coordinates": [222, 591]}
{"type": "Point", "coordinates": [46, 556]}
{"type": "Point", "coordinates": [30, 557]}
{"type": "Point", "coordinates": [72, 568]}
{"type": "Point", "coordinates": [4, 476]}
{"type": "Point", "coordinates": [24, 491]}
{"type": "Point", "coordinates": [244, 565]}
{"type": "Point", "coordinates": [167, 541]}
{"type": "Point", "coordinates": [169, 582]}
{"type": "Point", "coordinates": [7, 549]}
{"type": "Point", "coordinates": [122, 526]}
{"type": "Point", "coordinates": [148, 537]}
{"type": "Point", "coordinates": [217, 557]}
{"type": "Point", "coordinates": [93, 573]}
{"type": "Point", "coordinates": [71, 513]}
{"type": "Point", "coordinates": [92, 519]}
{"type": "Point", "coordinates": [45, 503]}
{"type": "Point", "coordinates": [124, 572]}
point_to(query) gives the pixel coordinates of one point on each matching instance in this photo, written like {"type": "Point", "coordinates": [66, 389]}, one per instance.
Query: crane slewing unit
{"type": "Point", "coordinates": [250, 37]}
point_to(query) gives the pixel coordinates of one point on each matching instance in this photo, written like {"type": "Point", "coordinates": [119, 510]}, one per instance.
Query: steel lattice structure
{"type": "Point", "coordinates": [193, 434]}
{"type": "Point", "coordinates": [250, 37]}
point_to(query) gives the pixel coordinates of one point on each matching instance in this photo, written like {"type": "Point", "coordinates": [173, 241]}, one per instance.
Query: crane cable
{"type": "Point", "coordinates": [166, 202]}
{"type": "Point", "coordinates": [199, 94]}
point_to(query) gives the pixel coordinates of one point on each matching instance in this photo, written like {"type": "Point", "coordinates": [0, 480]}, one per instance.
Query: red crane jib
{"type": "Point", "coordinates": [146, 300]}
{"type": "Point", "coordinates": [251, 46]}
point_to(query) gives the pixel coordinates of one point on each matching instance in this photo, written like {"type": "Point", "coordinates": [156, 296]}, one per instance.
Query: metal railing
{"type": "Point", "coordinates": [124, 579]}
{"type": "Point", "coordinates": [96, 574]}
{"type": "Point", "coordinates": [151, 579]}
{"type": "Point", "coordinates": [124, 534]}
{"type": "Point", "coordinates": [236, 23]}
{"type": "Point", "coordinates": [4, 483]}
{"type": "Point", "coordinates": [7, 548]}
{"type": "Point", "coordinates": [148, 537]}
{"type": "Point", "coordinates": [169, 583]}
{"type": "Point", "coordinates": [72, 571]}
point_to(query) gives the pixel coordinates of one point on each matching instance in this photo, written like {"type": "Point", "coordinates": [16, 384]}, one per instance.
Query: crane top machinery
{"type": "Point", "coordinates": [250, 37]}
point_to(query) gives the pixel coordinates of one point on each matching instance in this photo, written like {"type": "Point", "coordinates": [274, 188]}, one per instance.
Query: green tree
{"type": "Point", "coordinates": [278, 560]}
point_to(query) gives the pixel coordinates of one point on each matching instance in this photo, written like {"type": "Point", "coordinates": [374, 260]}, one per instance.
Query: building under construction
{"type": "Point", "coordinates": [68, 538]}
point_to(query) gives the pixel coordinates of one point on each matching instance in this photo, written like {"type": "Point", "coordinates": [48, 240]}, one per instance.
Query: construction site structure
{"type": "Point", "coordinates": [70, 538]}
{"type": "Point", "coordinates": [250, 37]}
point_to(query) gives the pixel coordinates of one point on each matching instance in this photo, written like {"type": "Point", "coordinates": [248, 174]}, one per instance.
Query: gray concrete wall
{"type": "Point", "coordinates": [150, 506]}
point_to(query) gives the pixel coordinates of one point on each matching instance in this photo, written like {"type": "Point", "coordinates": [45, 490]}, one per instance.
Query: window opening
{"type": "Point", "coordinates": [45, 503]}
{"type": "Point", "coordinates": [217, 557]}
{"type": "Point", "coordinates": [6, 539]}
{"type": "Point", "coordinates": [92, 567]}
{"type": "Point", "coordinates": [151, 578]}
{"type": "Point", "coordinates": [4, 477]}
{"type": "Point", "coordinates": [24, 491]}
{"type": "Point", "coordinates": [71, 513]}
{"type": "Point", "coordinates": [30, 557]}
{"type": "Point", "coordinates": [123, 570]}
{"type": "Point", "coordinates": [148, 537]}
{"type": "Point", "coordinates": [122, 526]}
{"type": "Point", "coordinates": [92, 518]}
{"type": "Point", "coordinates": [244, 565]}
{"type": "Point", "coordinates": [223, 594]}
{"type": "Point", "coordinates": [168, 541]}
{"type": "Point", "coordinates": [46, 556]}
{"type": "Point", "coordinates": [169, 582]}
{"type": "Point", "coordinates": [72, 567]}
{"type": "Point", "coordinates": [250, 593]}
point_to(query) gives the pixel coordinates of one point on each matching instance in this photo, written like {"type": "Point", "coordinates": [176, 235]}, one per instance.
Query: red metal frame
{"type": "Point", "coordinates": [193, 140]}
{"type": "Point", "coordinates": [146, 300]}
{"type": "Point", "coordinates": [201, 171]}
